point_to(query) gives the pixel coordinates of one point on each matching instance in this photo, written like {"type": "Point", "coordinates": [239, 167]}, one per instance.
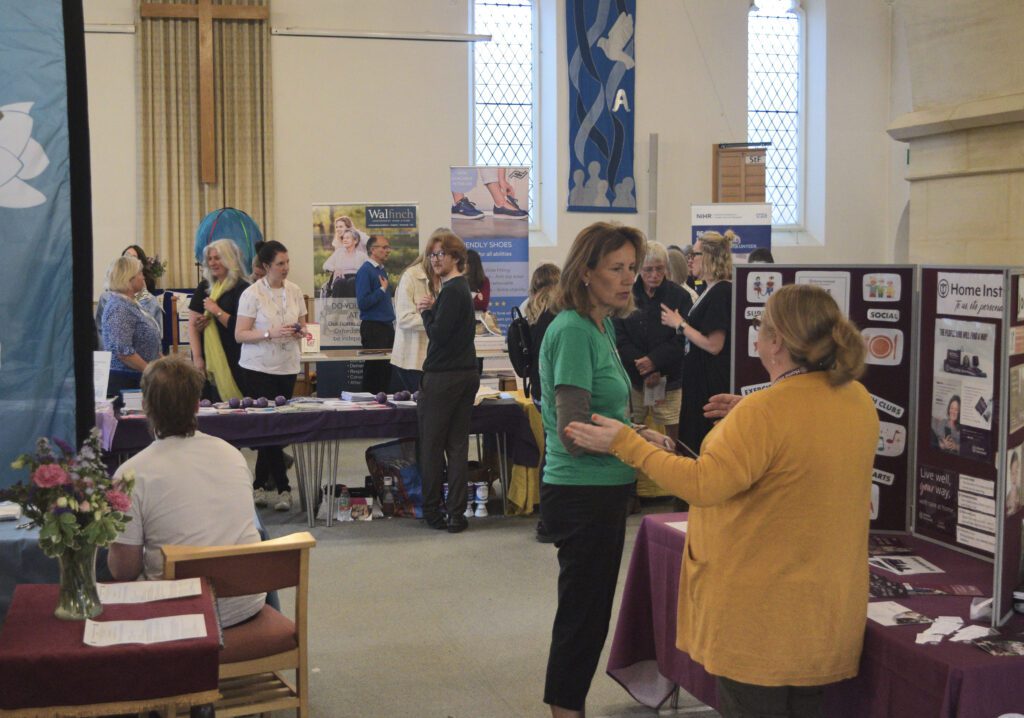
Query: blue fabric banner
{"type": "Point", "coordinates": [37, 378]}
{"type": "Point", "coordinates": [602, 77]}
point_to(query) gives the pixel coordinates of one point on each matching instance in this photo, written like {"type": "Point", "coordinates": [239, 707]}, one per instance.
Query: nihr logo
{"type": "Point", "coordinates": [943, 288]}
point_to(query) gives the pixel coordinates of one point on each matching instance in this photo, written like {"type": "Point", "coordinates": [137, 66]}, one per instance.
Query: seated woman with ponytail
{"type": "Point", "coordinates": [774, 584]}
{"type": "Point", "coordinates": [211, 320]}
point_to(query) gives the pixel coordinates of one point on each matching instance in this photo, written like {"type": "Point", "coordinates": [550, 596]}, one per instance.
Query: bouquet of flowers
{"type": "Point", "coordinates": [71, 498]}
{"type": "Point", "coordinates": [155, 266]}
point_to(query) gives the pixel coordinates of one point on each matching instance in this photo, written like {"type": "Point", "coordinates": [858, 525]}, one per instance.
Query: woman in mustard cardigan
{"type": "Point", "coordinates": [774, 585]}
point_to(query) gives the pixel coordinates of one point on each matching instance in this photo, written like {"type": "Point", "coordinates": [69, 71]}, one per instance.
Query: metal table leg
{"type": "Point", "coordinates": [333, 451]}
{"type": "Point", "coordinates": [503, 472]}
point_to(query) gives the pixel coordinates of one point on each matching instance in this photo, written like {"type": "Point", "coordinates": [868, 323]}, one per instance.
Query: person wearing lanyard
{"type": "Point", "coordinates": [584, 497]}
{"type": "Point", "coordinates": [706, 331]}
{"type": "Point", "coordinates": [376, 313]}
{"type": "Point", "coordinates": [773, 587]}
{"type": "Point", "coordinates": [271, 323]}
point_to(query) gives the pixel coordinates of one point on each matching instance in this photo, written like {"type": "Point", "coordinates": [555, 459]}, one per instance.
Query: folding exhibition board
{"type": "Point", "coordinates": [881, 300]}
{"type": "Point", "coordinates": [970, 416]}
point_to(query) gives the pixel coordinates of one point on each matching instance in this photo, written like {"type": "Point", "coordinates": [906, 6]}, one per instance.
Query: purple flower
{"type": "Point", "coordinates": [49, 475]}
{"type": "Point", "coordinates": [64, 446]}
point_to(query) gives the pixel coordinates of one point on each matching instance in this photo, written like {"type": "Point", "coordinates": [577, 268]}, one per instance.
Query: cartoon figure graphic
{"type": "Point", "coordinates": [769, 287]}
{"type": "Point", "coordinates": [757, 285]}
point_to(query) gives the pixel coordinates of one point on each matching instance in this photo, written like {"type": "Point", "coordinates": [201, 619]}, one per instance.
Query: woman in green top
{"type": "Point", "coordinates": [584, 496]}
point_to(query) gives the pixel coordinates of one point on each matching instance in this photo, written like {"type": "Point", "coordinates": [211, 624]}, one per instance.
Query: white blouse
{"type": "Point", "coordinates": [271, 307]}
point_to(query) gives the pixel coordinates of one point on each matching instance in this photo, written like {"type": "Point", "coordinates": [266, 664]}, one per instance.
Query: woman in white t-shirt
{"type": "Point", "coordinates": [271, 323]}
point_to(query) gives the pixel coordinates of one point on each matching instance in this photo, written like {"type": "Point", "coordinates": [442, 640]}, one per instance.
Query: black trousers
{"type": "Point", "coordinates": [377, 373]}
{"type": "Point", "coordinates": [271, 470]}
{"type": "Point", "coordinates": [588, 525]}
{"type": "Point", "coordinates": [443, 412]}
{"type": "Point", "coordinates": [743, 700]}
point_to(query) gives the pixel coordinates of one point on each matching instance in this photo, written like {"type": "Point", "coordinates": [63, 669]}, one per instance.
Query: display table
{"type": "Point", "coordinates": [315, 435]}
{"type": "Point", "coordinates": [46, 669]}
{"type": "Point", "coordinates": [897, 679]}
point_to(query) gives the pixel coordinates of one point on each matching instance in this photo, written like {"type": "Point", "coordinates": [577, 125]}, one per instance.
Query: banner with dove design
{"type": "Point", "coordinates": [37, 375]}
{"type": "Point", "coordinates": [602, 78]}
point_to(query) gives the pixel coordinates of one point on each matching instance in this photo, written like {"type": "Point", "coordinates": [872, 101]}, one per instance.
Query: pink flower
{"type": "Point", "coordinates": [118, 500]}
{"type": "Point", "coordinates": [84, 507]}
{"type": "Point", "coordinates": [49, 475]}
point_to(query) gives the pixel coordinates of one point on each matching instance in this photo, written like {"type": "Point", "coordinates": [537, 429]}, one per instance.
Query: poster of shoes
{"type": "Point", "coordinates": [490, 211]}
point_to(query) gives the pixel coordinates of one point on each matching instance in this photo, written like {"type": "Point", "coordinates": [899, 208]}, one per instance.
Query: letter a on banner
{"type": "Point", "coordinates": [602, 78]}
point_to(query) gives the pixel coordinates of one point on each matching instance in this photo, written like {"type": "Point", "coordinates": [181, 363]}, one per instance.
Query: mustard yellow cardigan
{"type": "Point", "coordinates": [774, 583]}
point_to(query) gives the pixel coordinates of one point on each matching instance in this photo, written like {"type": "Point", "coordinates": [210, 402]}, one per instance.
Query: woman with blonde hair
{"type": "Point", "coordinates": [410, 347]}
{"type": "Point", "coordinates": [706, 332]}
{"type": "Point", "coordinates": [211, 320]}
{"type": "Point", "coordinates": [543, 292]}
{"type": "Point", "coordinates": [779, 520]}
{"type": "Point", "coordinates": [128, 332]}
{"type": "Point", "coordinates": [584, 497]}
{"type": "Point", "coordinates": [679, 269]}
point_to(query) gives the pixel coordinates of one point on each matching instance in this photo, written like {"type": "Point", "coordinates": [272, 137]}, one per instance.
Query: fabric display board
{"type": "Point", "coordinates": [601, 51]}
{"type": "Point", "coordinates": [340, 231]}
{"type": "Point", "coordinates": [750, 222]}
{"type": "Point", "coordinates": [880, 301]}
{"type": "Point", "coordinates": [502, 238]}
{"type": "Point", "coordinates": [45, 227]}
{"type": "Point", "coordinates": [971, 418]}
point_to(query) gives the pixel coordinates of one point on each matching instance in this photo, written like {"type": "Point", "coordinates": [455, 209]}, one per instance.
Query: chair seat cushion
{"type": "Point", "coordinates": [268, 633]}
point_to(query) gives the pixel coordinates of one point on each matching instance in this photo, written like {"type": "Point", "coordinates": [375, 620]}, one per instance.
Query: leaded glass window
{"type": "Point", "coordinates": [774, 89]}
{"type": "Point", "coordinates": [503, 86]}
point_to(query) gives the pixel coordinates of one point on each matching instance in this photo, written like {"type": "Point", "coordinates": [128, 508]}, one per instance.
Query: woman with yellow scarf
{"type": "Point", "coordinates": [211, 321]}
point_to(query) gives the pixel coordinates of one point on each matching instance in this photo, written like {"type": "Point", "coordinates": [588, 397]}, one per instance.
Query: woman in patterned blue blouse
{"type": "Point", "coordinates": [131, 335]}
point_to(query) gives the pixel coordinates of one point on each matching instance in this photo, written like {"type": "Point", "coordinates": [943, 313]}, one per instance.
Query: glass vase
{"type": "Point", "coordinates": [78, 599]}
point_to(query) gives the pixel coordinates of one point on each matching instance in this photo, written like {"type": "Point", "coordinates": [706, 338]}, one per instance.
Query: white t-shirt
{"type": "Point", "coordinates": [271, 308]}
{"type": "Point", "coordinates": [193, 491]}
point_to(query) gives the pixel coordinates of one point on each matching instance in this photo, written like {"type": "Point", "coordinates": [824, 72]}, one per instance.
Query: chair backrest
{"type": "Point", "coordinates": [246, 568]}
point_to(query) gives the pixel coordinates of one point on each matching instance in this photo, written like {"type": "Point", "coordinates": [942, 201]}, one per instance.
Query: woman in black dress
{"type": "Point", "coordinates": [706, 330]}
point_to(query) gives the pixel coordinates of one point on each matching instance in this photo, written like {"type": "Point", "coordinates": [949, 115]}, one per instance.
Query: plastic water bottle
{"type": "Point", "coordinates": [387, 503]}
{"type": "Point", "coordinates": [344, 501]}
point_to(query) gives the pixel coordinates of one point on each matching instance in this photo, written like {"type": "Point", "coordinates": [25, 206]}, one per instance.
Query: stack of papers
{"type": "Point", "coordinates": [904, 565]}
{"type": "Point", "coordinates": [358, 396]}
{"type": "Point", "coordinates": [132, 399]}
{"type": "Point", "coordinates": [890, 613]}
{"type": "Point", "coordinates": [941, 627]}
{"type": "Point", "coordinates": [9, 511]}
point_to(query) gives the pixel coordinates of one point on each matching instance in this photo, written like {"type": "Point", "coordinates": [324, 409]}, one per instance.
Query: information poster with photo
{"type": "Point", "coordinates": [880, 301]}
{"type": "Point", "coordinates": [490, 211]}
{"type": "Point", "coordinates": [1011, 572]}
{"type": "Point", "coordinates": [958, 489]}
{"type": "Point", "coordinates": [340, 233]}
{"type": "Point", "coordinates": [750, 222]}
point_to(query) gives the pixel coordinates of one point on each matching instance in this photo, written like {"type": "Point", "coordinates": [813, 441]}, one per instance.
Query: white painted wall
{"type": "Point", "coordinates": [373, 120]}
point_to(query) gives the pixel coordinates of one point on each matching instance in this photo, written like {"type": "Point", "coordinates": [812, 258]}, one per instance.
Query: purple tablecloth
{"type": "Point", "coordinates": [898, 678]}
{"type": "Point", "coordinates": [130, 435]}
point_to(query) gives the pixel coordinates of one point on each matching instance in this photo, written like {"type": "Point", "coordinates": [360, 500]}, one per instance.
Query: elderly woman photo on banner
{"type": "Point", "coordinates": [602, 76]}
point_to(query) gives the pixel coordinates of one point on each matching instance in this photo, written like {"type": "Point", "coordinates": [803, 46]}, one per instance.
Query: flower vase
{"type": "Point", "coordinates": [78, 599]}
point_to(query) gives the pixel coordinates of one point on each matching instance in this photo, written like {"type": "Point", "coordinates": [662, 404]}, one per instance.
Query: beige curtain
{"type": "Point", "coordinates": [173, 200]}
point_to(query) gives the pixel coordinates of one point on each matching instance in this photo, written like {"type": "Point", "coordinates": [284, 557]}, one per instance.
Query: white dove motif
{"type": "Point", "coordinates": [21, 158]}
{"type": "Point", "coordinates": [618, 37]}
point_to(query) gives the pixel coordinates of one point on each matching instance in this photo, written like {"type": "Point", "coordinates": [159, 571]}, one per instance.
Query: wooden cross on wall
{"type": "Point", "coordinates": [205, 12]}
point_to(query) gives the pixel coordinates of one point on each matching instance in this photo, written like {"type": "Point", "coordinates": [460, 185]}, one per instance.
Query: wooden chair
{"type": "Point", "coordinates": [255, 652]}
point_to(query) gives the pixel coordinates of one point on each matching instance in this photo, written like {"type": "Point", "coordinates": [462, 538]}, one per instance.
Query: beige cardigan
{"type": "Point", "coordinates": [410, 348]}
{"type": "Point", "coordinates": [774, 584]}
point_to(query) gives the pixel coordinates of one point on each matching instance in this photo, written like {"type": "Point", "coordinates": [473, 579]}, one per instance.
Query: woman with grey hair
{"type": "Point", "coordinates": [211, 319]}
{"type": "Point", "coordinates": [130, 334]}
{"type": "Point", "coordinates": [679, 270]}
{"type": "Point", "coordinates": [651, 352]}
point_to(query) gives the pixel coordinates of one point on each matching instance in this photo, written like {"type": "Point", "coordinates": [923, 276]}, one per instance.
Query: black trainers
{"type": "Point", "coordinates": [542, 534]}
{"type": "Point", "coordinates": [457, 524]}
{"type": "Point", "coordinates": [464, 209]}
{"type": "Point", "coordinates": [436, 521]}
